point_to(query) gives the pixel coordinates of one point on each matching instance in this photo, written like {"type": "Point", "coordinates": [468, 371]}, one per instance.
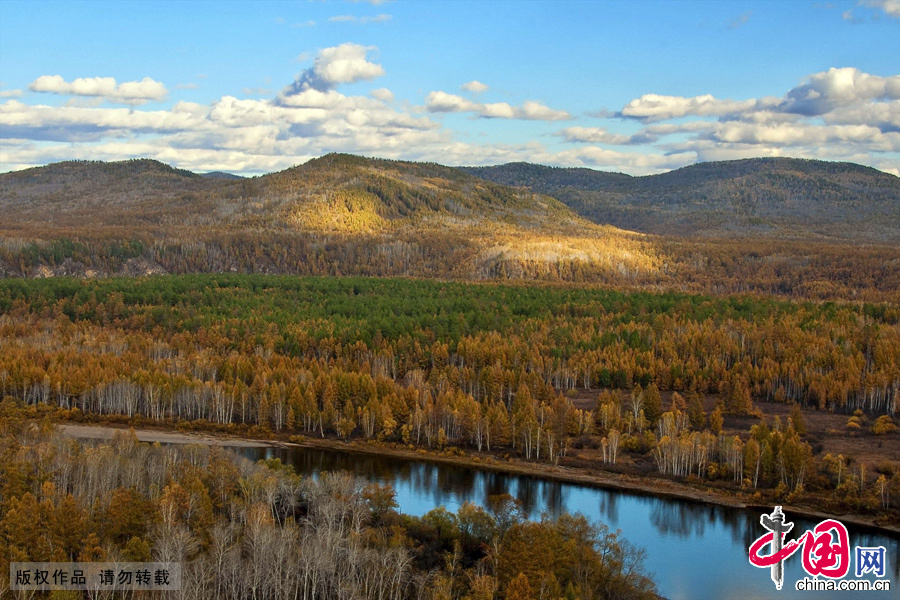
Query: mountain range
{"type": "Point", "coordinates": [783, 226]}
{"type": "Point", "coordinates": [782, 198]}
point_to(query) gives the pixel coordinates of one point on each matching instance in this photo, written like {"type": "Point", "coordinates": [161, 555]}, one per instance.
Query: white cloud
{"type": "Point", "coordinates": [890, 7]}
{"type": "Point", "coordinates": [444, 102]}
{"type": "Point", "coordinates": [823, 92]}
{"type": "Point", "coordinates": [633, 162]}
{"type": "Point", "coordinates": [363, 20]}
{"type": "Point", "coordinates": [11, 93]}
{"type": "Point", "coordinates": [238, 134]}
{"type": "Point", "coordinates": [593, 135]}
{"type": "Point", "coordinates": [849, 112]}
{"type": "Point", "coordinates": [818, 95]}
{"type": "Point", "coordinates": [129, 92]}
{"type": "Point", "coordinates": [383, 94]}
{"type": "Point", "coordinates": [535, 111]}
{"type": "Point", "coordinates": [538, 112]}
{"type": "Point", "coordinates": [656, 107]}
{"type": "Point", "coordinates": [346, 63]}
{"type": "Point", "coordinates": [839, 114]}
{"type": "Point", "coordinates": [474, 86]}
{"type": "Point", "coordinates": [805, 135]}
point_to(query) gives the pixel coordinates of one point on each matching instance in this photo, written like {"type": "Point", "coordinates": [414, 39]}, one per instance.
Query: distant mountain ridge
{"type": "Point", "coordinates": [781, 197]}
{"type": "Point", "coordinates": [220, 175]}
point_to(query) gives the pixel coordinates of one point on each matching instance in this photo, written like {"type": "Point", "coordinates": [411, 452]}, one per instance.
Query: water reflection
{"type": "Point", "coordinates": [694, 550]}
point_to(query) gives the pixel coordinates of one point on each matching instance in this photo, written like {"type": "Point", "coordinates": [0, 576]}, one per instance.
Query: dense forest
{"type": "Point", "coordinates": [243, 530]}
{"type": "Point", "coordinates": [483, 368]}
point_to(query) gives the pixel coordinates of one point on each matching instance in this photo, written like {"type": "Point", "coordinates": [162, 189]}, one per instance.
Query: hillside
{"type": "Point", "coordinates": [781, 198]}
{"type": "Point", "coordinates": [335, 214]}
{"type": "Point", "coordinates": [332, 194]}
{"type": "Point", "coordinates": [351, 194]}
{"type": "Point", "coordinates": [76, 193]}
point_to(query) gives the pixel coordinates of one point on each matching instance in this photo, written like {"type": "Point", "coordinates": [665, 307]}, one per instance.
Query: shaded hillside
{"type": "Point", "coordinates": [95, 193]}
{"type": "Point", "coordinates": [775, 197]}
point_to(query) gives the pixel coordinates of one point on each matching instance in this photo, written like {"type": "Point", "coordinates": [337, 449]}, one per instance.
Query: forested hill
{"type": "Point", "coordinates": [346, 193]}
{"type": "Point", "coordinates": [75, 193]}
{"type": "Point", "coordinates": [775, 197]}
{"type": "Point", "coordinates": [332, 194]}
{"type": "Point", "coordinates": [338, 214]}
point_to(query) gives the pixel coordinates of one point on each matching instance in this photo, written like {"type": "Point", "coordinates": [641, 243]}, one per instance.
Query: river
{"type": "Point", "coordinates": [694, 551]}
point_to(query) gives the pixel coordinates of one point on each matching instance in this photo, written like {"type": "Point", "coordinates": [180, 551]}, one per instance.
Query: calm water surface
{"type": "Point", "coordinates": [694, 551]}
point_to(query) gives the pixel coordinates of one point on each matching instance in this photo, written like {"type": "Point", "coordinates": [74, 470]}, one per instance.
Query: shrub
{"type": "Point", "coordinates": [883, 425]}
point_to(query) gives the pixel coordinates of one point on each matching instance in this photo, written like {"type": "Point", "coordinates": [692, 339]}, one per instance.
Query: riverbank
{"type": "Point", "coordinates": [591, 478]}
{"type": "Point", "coordinates": [106, 432]}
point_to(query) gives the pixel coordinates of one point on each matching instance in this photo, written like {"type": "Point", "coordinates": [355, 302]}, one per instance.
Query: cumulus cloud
{"type": "Point", "coordinates": [656, 107]}
{"type": "Point", "coordinates": [823, 92]}
{"type": "Point", "coordinates": [593, 135]}
{"type": "Point", "coordinates": [11, 93]}
{"type": "Point", "coordinates": [333, 66]}
{"type": "Point", "coordinates": [838, 114]}
{"type": "Point", "coordinates": [817, 95]}
{"type": "Point", "coordinates": [442, 102]}
{"type": "Point", "coordinates": [246, 135]}
{"type": "Point", "coordinates": [841, 108]}
{"type": "Point", "coordinates": [474, 86]}
{"type": "Point", "coordinates": [129, 92]}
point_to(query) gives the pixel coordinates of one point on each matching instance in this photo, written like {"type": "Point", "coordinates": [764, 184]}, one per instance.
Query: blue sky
{"type": "Point", "coordinates": [638, 87]}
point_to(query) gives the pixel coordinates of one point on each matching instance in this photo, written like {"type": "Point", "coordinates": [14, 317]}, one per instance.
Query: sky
{"type": "Point", "coordinates": [634, 87]}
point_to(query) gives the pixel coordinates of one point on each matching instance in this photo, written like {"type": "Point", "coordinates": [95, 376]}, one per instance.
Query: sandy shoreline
{"type": "Point", "coordinates": [106, 432]}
